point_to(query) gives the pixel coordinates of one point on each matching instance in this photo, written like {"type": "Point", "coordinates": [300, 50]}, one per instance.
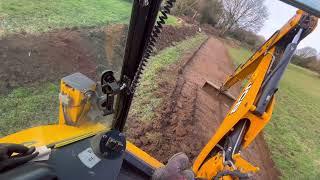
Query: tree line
{"type": "Point", "coordinates": [307, 57]}
{"type": "Point", "coordinates": [241, 20]}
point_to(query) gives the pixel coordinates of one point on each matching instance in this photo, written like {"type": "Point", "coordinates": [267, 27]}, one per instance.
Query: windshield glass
{"type": "Point", "coordinates": [43, 41]}
{"type": "Point", "coordinates": [310, 6]}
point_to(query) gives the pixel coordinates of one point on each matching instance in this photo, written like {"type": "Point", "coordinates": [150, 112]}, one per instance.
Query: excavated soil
{"type": "Point", "coordinates": [189, 115]}
{"type": "Point", "coordinates": [171, 34]}
{"type": "Point", "coordinates": [31, 59]}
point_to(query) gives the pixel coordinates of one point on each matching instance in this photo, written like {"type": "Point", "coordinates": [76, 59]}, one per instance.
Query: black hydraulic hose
{"type": "Point", "coordinates": [233, 174]}
{"type": "Point", "coordinates": [143, 31]}
{"type": "Point", "coordinates": [270, 86]}
{"type": "Point", "coordinates": [151, 43]}
{"type": "Point", "coordinates": [234, 140]}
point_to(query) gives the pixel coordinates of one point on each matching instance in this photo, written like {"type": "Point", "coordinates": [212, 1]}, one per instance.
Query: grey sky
{"type": "Point", "coordinates": [279, 14]}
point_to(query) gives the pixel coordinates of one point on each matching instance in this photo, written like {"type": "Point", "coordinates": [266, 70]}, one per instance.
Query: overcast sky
{"type": "Point", "coordinates": [279, 14]}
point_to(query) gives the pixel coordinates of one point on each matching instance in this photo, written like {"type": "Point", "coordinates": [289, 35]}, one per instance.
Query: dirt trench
{"type": "Point", "coordinates": [189, 116]}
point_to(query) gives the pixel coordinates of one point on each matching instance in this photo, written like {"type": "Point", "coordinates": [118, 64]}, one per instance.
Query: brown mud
{"type": "Point", "coordinates": [32, 59]}
{"type": "Point", "coordinates": [189, 115]}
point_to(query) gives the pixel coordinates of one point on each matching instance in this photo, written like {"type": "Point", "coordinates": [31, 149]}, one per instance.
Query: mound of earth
{"type": "Point", "coordinates": [189, 115]}
{"type": "Point", "coordinates": [172, 34]}
{"type": "Point", "coordinates": [28, 59]}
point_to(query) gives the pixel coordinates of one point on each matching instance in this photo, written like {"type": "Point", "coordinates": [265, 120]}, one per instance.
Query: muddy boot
{"type": "Point", "coordinates": [177, 168]}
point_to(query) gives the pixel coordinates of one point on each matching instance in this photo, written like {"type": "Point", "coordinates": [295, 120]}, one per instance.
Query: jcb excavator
{"type": "Point", "coordinates": [78, 147]}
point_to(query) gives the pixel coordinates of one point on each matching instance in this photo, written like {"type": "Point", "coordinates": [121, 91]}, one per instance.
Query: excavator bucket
{"type": "Point", "coordinates": [214, 90]}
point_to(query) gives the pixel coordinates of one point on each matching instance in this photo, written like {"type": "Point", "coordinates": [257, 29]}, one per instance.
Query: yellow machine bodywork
{"type": "Point", "coordinates": [244, 111]}
{"type": "Point", "coordinates": [54, 135]}
{"type": "Point", "coordinates": [64, 132]}
{"type": "Point", "coordinates": [243, 108]}
{"type": "Point", "coordinates": [61, 132]}
{"type": "Point", "coordinates": [60, 135]}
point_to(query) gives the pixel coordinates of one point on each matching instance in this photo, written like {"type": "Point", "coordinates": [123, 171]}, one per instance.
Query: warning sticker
{"type": "Point", "coordinates": [88, 158]}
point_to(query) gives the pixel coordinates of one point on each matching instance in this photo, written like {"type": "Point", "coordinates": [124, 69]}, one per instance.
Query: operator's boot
{"type": "Point", "coordinates": [177, 168]}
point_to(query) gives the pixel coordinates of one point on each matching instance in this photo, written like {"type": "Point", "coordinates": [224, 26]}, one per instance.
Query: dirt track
{"type": "Point", "coordinates": [189, 116]}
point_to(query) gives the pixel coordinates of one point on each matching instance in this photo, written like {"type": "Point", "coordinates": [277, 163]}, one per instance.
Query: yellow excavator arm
{"type": "Point", "coordinates": [252, 110]}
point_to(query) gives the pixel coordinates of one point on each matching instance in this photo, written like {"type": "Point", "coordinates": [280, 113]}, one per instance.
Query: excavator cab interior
{"type": "Point", "coordinates": [79, 147]}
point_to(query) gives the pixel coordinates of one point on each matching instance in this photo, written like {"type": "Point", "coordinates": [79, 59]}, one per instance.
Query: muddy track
{"type": "Point", "coordinates": [189, 115]}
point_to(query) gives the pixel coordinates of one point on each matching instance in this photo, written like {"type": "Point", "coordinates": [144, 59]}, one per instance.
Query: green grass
{"type": "Point", "coordinates": [293, 134]}
{"type": "Point", "coordinates": [28, 107]}
{"type": "Point", "coordinates": [33, 16]}
{"type": "Point", "coordinates": [38, 15]}
{"type": "Point", "coordinates": [145, 101]}
{"type": "Point", "coordinates": [173, 21]}
{"type": "Point", "coordinates": [239, 55]}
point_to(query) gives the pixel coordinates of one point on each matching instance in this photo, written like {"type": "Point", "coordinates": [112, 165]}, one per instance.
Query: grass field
{"type": "Point", "coordinates": [145, 100]}
{"type": "Point", "coordinates": [34, 16]}
{"type": "Point", "coordinates": [27, 107]}
{"type": "Point", "coordinates": [239, 55]}
{"type": "Point", "coordinates": [293, 134]}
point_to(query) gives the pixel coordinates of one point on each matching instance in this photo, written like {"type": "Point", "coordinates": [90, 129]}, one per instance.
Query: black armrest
{"type": "Point", "coordinates": [30, 171]}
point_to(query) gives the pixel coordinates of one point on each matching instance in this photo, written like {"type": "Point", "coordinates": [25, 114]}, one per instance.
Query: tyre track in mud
{"type": "Point", "coordinates": [189, 115]}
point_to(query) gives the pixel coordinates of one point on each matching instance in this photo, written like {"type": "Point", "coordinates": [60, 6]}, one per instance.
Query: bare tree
{"type": "Point", "coordinates": [307, 57]}
{"type": "Point", "coordinates": [307, 52]}
{"type": "Point", "coordinates": [243, 14]}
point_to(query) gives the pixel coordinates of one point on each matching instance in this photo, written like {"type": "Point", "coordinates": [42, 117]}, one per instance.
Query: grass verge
{"type": "Point", "coordinates": [28, 107]}
{"type": "Point", "coordinates": [239, 55]}
{"type": "Point", "coordinates": [145, 101]}
{"type": "Point", "coordinates": [293, 134]}
{"type": "Point", "coordinates": [35, 16]}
